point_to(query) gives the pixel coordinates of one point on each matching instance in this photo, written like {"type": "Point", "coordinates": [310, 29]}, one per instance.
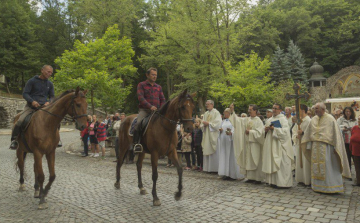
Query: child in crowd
{"type": "Point", "coordinates": [186, 149]}
{"type": "Point", "coordinates": [196, 144]}
{"type": "Point", "coordinates": [101, 136]}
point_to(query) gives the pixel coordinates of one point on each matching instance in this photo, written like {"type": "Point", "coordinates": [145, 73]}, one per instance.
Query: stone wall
{"type": "Point", "coordinates": [318, 94]}
{"type": "Point", "coordinates": [9, 107]}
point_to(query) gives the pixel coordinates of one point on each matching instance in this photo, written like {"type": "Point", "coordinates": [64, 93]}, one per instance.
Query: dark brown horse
{"type": "Point", "coordinates": [160, 139]}
{"type": "Point", "coordinates": [42, 137]}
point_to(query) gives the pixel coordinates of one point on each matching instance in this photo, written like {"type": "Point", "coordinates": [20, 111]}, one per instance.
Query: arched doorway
{"type": "Point", "coordinates": [4, 118]}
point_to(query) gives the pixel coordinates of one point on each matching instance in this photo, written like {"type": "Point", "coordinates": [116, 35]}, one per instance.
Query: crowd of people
{"type": "Point", "coordinates": [275, 150]}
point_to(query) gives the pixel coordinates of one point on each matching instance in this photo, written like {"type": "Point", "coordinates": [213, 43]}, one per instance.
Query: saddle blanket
{"type": "Point", "coordinates": [133, 124]}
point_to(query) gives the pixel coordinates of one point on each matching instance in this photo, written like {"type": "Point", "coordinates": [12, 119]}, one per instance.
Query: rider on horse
{"type": "Point", "coordinates": [151, 98]}
{"type": "Point", "coordinates": [37, 92]}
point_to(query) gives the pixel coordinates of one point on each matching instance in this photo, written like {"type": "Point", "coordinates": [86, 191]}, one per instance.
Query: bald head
{"type": "Point", "coordinates": [320, 109]}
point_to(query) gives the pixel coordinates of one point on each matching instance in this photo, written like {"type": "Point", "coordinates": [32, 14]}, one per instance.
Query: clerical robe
{"type": "Point", "coordinates": [325, 148]}
{"type": "Point", "coordinates": [278, 154]}
{"type": "Point", "coordinates": [227, 160]}
{"type": "Point", "coordinates": [248, 148]}
{"type": "Point", "coordinates": [209, 140]}
{"type": "Point", "coordinates": [302, 174]}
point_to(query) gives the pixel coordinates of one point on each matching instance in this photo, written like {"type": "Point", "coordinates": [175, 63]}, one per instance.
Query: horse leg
{"type": "Point", "coordinates": [120, 161]}
{"type": "Point", "coordinates": [40, 177]}
{"type": "Point", "coordinates": [174, 158]}
{"type": "Point", "coordinates": [51, 164]}
{"type": "Point", "coordinates": [154, 163]}
{"type": "Point", "coordinates": [36, 184]}
{"type": "Point", "coordinates": [139, 166]}
{"type": "Point", "coordinates": [21, 160]}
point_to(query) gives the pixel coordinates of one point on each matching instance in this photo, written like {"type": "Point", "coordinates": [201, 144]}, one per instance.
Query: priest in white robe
{"type": "Point", "coordinates": [210, 126]}
{"type": "Point", "coordinates": [248, 141]}
{"type": "Point", "coordinates": [228, 167]}
{"type": "Point", "coordinates": [278, 154]}
{"type": "Point", "coordinates": [324, 147]}
{"type": "Point", "coordinates": [303, 167]}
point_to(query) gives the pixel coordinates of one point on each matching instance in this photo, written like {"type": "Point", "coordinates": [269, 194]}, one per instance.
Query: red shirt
{"type": "Point", "coordinates": [150, 95]}
{"type": "Point", "coordinates": [85, 131]}
{"type": "Point", "coordinates": [355, 141]}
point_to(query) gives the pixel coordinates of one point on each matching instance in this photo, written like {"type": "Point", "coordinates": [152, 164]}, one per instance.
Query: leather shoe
{"type": "Point", "coordinates": [14, 145]}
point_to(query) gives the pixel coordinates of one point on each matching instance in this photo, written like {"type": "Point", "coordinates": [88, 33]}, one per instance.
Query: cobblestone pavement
{"type": "Point", "coordinates": [83, 192]}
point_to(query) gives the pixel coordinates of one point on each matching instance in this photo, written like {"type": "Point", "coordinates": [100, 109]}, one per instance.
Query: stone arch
{"type": "Point", "coordinates": [341, 79]}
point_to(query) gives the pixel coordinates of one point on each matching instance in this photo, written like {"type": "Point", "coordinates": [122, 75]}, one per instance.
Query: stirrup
{"type": "Point", "coordinates": [14, 145]}
{"type": "Point", "coordinates": [138, 148]}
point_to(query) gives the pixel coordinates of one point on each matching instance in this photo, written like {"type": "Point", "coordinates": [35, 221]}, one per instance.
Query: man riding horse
{"type": "Point", "coordinates": [38, 92]}
{"type": "Point", "coordinates": [151, 98]}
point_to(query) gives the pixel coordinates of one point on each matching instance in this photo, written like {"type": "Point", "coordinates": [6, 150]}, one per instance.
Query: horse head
{"type": "Point", "coordinates": [186, 105]}
{"type": "Point", "coordinates": [78, 109]}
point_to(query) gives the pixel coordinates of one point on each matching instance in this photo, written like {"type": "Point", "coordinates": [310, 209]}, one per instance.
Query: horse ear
{"type": "Point", "coordinates": [183, 94]}
{"type": "Point", "coordinates": [77, 91]}
{"type": "Point", "coordinates": [193, 94]}
{"type": "Point", "coordinates": [85, 91]}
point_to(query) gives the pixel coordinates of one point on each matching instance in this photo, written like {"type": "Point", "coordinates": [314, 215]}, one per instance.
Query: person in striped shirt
{"type": "Point", "coordinates": [101, 136]}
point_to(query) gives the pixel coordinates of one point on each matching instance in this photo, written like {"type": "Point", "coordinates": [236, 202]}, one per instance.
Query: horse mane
{"type": "Point", "coordinates": [164, 108]}
{"type": "Point", "coordinates": [62, 95]}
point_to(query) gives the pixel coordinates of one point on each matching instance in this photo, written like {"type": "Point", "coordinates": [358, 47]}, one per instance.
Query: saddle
{"type": "Point", "coordinates": [142, 126]}
{"type": "Point", "coordinates": [26, 122]}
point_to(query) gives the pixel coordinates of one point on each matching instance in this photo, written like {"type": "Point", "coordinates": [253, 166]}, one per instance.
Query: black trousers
{"type": "Point", "coordinates": [86, 146]}
{"type": "Point", "coordinates": [187, 157]}
{"type": "Point", "coordinates": [348, 153]}
{"type": "Point", "coordinates": [199, 155]}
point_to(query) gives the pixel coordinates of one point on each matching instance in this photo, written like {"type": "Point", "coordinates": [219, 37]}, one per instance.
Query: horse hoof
{"type": "Point", "coordinates": [177, 196]}
{"type": "Point", "coordinates": [43, 206]}
{"type": "Point", "coordinates": [22, 188]}
{"type": "Point", "coordinates": [117, 185]}
{"type": "Point", "coordinates": [143, 191]}
{"type": "Point", "coordinates": [37, 194]}
{"type": "Point", "coordinates": [157, 203]}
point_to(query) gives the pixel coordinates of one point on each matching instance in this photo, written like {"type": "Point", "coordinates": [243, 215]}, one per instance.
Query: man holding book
{"type": "Point", "coordinates": [278, 154]}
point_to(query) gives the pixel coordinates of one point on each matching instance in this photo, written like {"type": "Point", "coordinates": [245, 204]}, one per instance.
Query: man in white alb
{"type": "Point", "coordinates": [210, 126]}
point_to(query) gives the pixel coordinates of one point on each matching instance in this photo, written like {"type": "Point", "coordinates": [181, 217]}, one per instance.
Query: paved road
{"type": "Point", "coordinates": [83, 192]}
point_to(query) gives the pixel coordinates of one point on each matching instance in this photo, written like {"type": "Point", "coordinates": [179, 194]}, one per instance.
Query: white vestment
{"type": "Point", "coordinates": [278, 154]}
{"type": "Point", "coordinates": [209, 140]}
{"type": "Point", "coordinates": [324, 147]}
{"type": "Point", "coordinates": [227, 160]}
{"type": "Point", "coordinates": [248, 148]}
{"type": "Point", "coordinates": [302, 174]}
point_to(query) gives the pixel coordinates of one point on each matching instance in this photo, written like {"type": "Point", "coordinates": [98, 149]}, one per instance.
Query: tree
{"type": "Point", "coordinates": [280, 69]}
{"type": "Point", "coordinates": [285, 87]}
{"type": "Point", "coordinates": [296, 62]}
{"type": "Point", "coordinates": [19, 51]}
{"type": "Point", "coordinates": [249, 84]}
{"type": "Point", "coordinates": [99, 66]}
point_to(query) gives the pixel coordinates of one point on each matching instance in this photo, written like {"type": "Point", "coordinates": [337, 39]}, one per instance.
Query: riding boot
{"type": "Point", "coordinates": [14, 143]}
{"type": "Point", "coordinates": [136, 141]}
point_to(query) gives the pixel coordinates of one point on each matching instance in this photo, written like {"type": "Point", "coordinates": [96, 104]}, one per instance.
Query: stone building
{"type": "Point", "coordinates": [346, 82]}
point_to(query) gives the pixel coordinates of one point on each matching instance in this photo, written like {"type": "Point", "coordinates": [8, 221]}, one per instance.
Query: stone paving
{"type": "Point", "coordinates": [83, 192]}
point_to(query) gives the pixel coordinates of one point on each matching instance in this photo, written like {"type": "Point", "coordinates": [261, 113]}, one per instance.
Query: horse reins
{"type": "Point", "coordinates": [73, 118]}
{"type": "Point", "coordinates": [174, 123]}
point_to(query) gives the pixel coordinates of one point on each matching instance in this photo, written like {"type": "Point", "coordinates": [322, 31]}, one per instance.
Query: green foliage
{"type": "Point", "coordinates": [279, 66]}
{"type": "Point", "coordinates": [99, 67]}
{"type": "Point", "coordinates": [296, 64]}
{"type": "Point", "coordinates": [249, 84]}
{"type": "Point", "coordinates": [19, 51]}
{"type": "Point", "coordinates": [285, 87]}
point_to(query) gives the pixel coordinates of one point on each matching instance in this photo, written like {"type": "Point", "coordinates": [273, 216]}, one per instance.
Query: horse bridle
{"type": "Point", "coordinates": [74, 117]}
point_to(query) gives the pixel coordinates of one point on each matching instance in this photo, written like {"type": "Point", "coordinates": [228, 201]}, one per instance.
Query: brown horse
{"type": "Point", "coordinates": [42, 137]}
{"type": "Point", "coordinates": [160, 139]}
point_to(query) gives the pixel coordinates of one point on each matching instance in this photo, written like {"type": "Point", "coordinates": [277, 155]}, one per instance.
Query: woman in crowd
{"type": "Point", "coordinates": [85, 136]}
{"type": "Point", "coordinates": [346, 122]}
{"type": "Point", "coordinates": [93, 140]}
{"type": "Point", "coordinates": [101, 136]}
{"type": "Point", "coordinates": [355, 150]}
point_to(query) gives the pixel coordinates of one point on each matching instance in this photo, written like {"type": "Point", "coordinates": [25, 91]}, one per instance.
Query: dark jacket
{"type": "Point", "coordinates": [37, 89]}
{"type": "Point", "coordinates": [197, 137]}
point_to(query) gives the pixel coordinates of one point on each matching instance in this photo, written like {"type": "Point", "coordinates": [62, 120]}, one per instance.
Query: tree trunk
{"type": "Point", "coordinates": [201, 103]}
{"type": "Point", "coordinates": [168, 82]}
{"type": "Point", "coordinates": [92, 102]}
